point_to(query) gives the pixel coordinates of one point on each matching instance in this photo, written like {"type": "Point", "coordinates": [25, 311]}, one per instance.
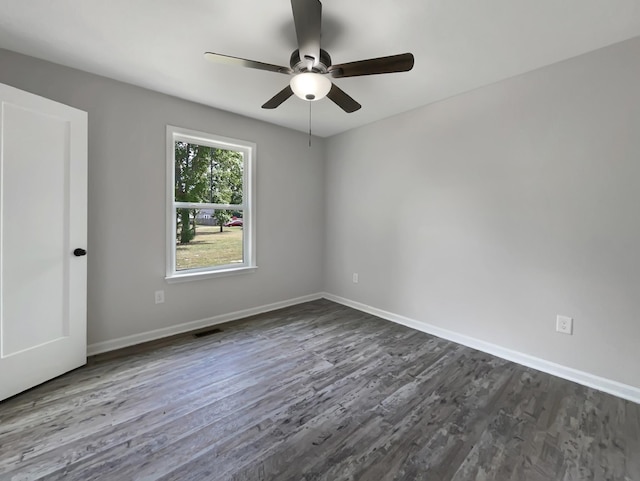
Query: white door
{"type": "Point", "coordinates": [43, 219]}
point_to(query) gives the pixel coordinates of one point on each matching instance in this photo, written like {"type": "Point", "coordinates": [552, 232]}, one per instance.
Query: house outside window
{"type": "Point", "coordinates": [210, 212]}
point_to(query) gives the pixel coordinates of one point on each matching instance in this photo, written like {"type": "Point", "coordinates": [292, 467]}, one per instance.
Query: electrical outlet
{"type": "Point", "coordinates": [564, 325]}
{"type": "Point", "coordinates": [355, 278]}
{"type": "Point", "coordinates": [159, 297]}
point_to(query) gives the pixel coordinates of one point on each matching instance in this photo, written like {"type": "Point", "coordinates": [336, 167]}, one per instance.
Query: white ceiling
{"type": "Point", "coordinates": [458, 46]}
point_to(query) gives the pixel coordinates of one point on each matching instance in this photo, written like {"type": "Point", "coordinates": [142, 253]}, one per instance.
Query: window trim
{"type": "Point", "coordinates": [248, 205]}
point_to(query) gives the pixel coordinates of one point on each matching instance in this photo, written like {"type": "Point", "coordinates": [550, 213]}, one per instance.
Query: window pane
{"type": "Point", "coordinates": [207, 174]}
{"type": "Point", "coordinates": [208, 238]}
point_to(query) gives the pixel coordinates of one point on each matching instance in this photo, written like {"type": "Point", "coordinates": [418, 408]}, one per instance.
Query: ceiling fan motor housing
{"type": "Point", "coordinates": [299, 65]}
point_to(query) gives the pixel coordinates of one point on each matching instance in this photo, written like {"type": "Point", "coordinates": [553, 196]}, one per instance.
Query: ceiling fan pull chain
{"type": "Point", "coordinates": [309, 124]}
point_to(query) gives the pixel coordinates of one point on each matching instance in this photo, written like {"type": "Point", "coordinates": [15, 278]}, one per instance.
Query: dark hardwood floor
{"type": "Point", "coordinates": [315, 392]}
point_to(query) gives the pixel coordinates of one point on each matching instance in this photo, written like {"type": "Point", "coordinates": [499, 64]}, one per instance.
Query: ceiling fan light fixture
{"type": "Point", "coordinates": [310, 86]}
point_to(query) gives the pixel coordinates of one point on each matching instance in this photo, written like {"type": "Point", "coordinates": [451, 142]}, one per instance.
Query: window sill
{"type": "Point", "coordinates": [196, 276]}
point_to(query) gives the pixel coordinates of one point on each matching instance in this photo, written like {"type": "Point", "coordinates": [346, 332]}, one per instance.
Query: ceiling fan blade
{"type": "Point", "coordinates": [242, 62]}
{"type": "Point", "coordinates": [343, 100]}
{"type": "Point", "coordinates": [278, 98]}
{"type": "Point", "coordinates": [307, 16]}
{"type": "Point", "coordinates": [394, 63]}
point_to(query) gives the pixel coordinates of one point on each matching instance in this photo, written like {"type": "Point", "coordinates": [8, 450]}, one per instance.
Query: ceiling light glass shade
{"type": "Point", "coordinates": [310, 86]}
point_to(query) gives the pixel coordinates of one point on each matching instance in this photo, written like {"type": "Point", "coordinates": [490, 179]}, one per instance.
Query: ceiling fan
{"type": "Point", "coordinates": [310, 65]}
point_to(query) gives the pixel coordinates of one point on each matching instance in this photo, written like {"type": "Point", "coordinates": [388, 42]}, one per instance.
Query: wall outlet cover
{"type": "Point", "coordinates": [159, 296]}
{"type": "Point", "coordinates": [564, 324]}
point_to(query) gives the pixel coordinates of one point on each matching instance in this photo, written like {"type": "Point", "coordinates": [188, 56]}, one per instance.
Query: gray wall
{"type": "Point", "coordinates": [491, 212]}
{"type": "Point", "coordinates": [126, 238]}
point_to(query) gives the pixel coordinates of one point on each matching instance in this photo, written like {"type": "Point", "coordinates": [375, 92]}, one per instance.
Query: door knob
{"type": "Point", "coordinates": [79, 252]}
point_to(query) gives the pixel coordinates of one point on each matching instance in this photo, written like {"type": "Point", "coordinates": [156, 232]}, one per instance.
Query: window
{"type": "Point", "coordinates": [210, 224]}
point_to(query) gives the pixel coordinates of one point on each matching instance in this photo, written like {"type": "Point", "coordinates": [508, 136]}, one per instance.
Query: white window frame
{"type": "Point", "coordinates": [248, 149]}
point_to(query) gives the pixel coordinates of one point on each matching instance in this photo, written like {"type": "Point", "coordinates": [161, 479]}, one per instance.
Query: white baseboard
{"type": "Point", "coordinates": [105, 346]}
{"type": "Point", "coordinates": [616, 388]}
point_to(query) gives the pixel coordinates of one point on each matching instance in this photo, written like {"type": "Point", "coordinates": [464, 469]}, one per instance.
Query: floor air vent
{"type": "Point", "coordinates": [207, 333]}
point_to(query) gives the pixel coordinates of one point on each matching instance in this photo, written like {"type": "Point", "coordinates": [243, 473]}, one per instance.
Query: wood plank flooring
{"type": "Point", "coordinates": [315, 392]}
